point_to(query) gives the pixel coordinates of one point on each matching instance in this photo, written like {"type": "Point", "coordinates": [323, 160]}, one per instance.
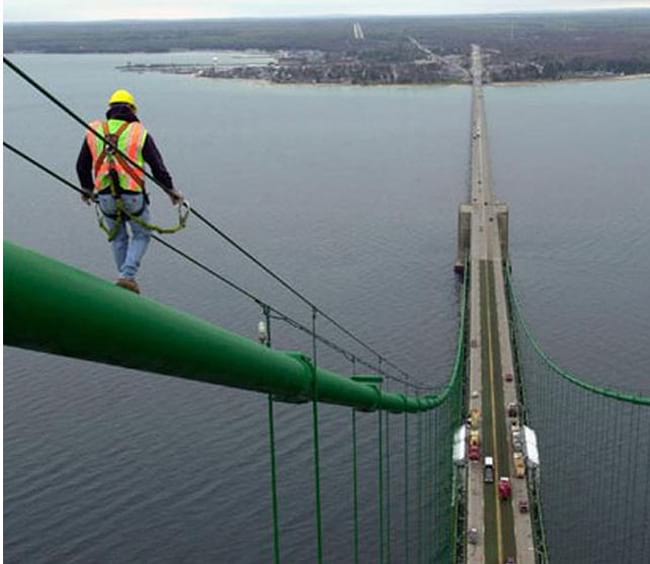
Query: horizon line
{"type": "Point", "coordinates": [608, 9]}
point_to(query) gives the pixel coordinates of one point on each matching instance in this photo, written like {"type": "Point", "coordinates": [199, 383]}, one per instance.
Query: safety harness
{"type": "Point", "coordinates": [113, 155]}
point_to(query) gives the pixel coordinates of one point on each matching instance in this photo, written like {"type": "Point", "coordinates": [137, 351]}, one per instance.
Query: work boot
{"type": "Point", "coordinates": [128, 284]}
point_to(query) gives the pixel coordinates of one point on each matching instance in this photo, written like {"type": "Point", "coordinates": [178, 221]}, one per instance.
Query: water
{"type": "Point", "coordinates": [571, 160]}
{"type": "Point", "coordinates": [350, 192]}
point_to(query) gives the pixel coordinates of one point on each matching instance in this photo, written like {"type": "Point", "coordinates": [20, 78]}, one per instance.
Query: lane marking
{"type": "Point", "coordinates": [494, 414]}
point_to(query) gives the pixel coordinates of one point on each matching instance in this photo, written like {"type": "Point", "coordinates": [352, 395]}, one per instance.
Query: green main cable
{"type": "Point", "coordinates": [614, 394]}
{"type": "Point", "coordinates": [169, 343]}
{"type": "Point", "coordinates": [199, 350]}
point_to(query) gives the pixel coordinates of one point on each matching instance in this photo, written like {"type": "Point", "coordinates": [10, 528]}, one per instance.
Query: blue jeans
{"type": "Point", "coordinates": [127, 253]}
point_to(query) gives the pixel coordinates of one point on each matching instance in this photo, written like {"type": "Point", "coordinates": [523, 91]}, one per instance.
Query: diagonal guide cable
{"type": "Point", "coordinates": [207, 222]}
{"type": "Point", "coordinates": [277, 313]}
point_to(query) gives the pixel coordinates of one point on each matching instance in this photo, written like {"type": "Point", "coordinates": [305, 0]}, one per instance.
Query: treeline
{"type": "Point", "coordinates": [521, 46]}
{"type": "Point", "coordinates": [151, 36]}
{"type": "Point", "coordinates": [557, 69]}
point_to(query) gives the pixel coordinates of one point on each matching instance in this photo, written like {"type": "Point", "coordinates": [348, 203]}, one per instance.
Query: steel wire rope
{"type": "Point", "coordinates": [274, 474]}
{"type": "Point", "coordinates": [355, 477]}
{"type": "Point", "coordinates": [380, 480]}
{"type": "Point", "coordinates": [314, 405]}
{"type": "Point", "coordinates": [315, 309]}
{"type": "Point", "coordinates": [638, 399]}
{"type": "Point", "coordinates": [429, 484]}
{"type": "Point", "coordinates": [406, 479]}
{"type": "Point", "coordinates": [419, 487]}
{"type": "Point", "coordinates": [388, 519]}
{"type": "Point", "coordinates": [277, 314]}
{"type": "Point", "coordinates": [22, 74]}
{"type": "Point", "coordinates": [267, 309]}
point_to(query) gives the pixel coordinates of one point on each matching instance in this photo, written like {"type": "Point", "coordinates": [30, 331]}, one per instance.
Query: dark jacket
{"type": "Point", "coordinates": [150, 154]}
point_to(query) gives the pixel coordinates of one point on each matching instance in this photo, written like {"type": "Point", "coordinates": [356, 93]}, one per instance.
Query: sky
{"type": "Point", "coordinates": [91, 10]}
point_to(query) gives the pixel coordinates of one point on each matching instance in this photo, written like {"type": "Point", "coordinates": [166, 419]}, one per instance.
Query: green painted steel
{"type": "Point", "coordinates": [355, 487]}
{"type": "Point", "coordinates": [380, 493]}
{"type": "Point", "coordinates": [51, 307]}
{"type": "Point", "coordinates": [613, 394]}
{"type": "Point", "coordinates": [274, 484]}
{"type": "Point", "coordinates": [316, 434]}
{"type": "Point", "coordinates": [420, 479]}
{"type": "Point", "coordinates": [602, 458]}
{"type": "Point", "coordinates": [388, 519]}
{"type": "Point", "coordinates": [406, 488]}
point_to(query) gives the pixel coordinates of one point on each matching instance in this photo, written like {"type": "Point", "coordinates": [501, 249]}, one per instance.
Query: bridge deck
{"type": "Point", "coordinates": [503, 531]}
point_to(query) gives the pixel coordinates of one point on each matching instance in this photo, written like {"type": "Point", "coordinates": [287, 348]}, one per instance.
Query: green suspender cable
{"type": "Point", "coordinates": [355, 476]}
{"type": "Point", "coordinates": [425, 458]}
{"type": "Point", "coordinates": [274, 480]}
{"type": "Point", "coordinates": [381, 489]}
{"type": "Point", "coordinates": [198, 351]}
{"type": "Point", "coordinates": [274, 487]}
{"type": "Point", "coordinates": [429, 504]}
{"type": "Point", "coordinates": [419, 486]}
{"type": "Point", "coordinates": [314, 403]}
{"type": "Point", "coordinates": [406, 482]}
{"type": "Point", "coordinates": [388, 524]}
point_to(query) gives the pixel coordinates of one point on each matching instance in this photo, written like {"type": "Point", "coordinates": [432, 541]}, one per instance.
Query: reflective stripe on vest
{"type": "Point", "coordinates": [130, 142]}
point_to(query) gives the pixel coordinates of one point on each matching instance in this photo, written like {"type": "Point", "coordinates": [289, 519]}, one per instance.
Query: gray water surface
{"type": "Point", "coordinates": [352, 194]}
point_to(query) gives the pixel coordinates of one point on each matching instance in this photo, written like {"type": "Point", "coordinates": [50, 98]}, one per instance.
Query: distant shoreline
{"type": "Point", "coordinates": [445, 83]}
{"type": "Point", "coordinates": [267, 81]}
{"type": "Point", "coordinates": [517, 83]}
{"type": "Point", "coordinates": [506, 84]}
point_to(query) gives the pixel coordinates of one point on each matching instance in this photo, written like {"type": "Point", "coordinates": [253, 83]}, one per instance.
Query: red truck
{"type": "Point", "coordinates": [505, 489]}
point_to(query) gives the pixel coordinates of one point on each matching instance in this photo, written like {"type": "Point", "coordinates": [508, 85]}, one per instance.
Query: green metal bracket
{"type": "Point", "coordinates": [365, 379]}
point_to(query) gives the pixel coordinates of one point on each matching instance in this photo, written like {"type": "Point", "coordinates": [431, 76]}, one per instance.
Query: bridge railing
{"type": "Point", "coordinates": [593, 484]}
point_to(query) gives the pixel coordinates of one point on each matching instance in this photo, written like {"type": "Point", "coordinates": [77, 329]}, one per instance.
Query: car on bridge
{"type": "Point", "coordinates": [488, 470]}
{"type": "Point", "coordinates": [475, 418]}
{"type": "Point", "coordinates": [520, 465]}
{"type": "Point", "coordinates": [505, 488]}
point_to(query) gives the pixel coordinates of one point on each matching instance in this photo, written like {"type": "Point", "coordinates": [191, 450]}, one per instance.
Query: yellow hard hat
{"type": "Point", "coordinates": [123, 97]}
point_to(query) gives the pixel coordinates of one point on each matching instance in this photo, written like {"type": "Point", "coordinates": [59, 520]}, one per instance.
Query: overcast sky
{"type": "Point", "coordinates": [72, 10]}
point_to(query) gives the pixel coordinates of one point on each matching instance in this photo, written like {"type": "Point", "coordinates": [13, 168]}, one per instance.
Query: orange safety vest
{"type": "Point", "coordinates": [129, 138]}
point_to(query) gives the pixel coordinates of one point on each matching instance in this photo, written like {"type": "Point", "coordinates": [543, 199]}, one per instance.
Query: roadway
{"type": "Point", "coordinates": [503, 532]}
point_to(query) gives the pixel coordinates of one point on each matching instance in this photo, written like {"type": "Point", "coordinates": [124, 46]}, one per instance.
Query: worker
{"type": "Point", "coordinates": [106, 175]}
